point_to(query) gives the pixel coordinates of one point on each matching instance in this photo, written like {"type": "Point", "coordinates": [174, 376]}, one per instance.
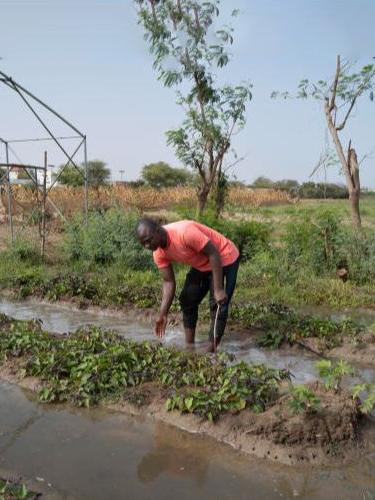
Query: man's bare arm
{"type": "Point", "coordinates": [169, 288]}
{"type": "Point", "coordinates": [168, 291]}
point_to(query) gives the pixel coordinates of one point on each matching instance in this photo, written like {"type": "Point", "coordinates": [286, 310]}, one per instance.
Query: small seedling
{"type": "Point", "coordinates": [367, 406]}
{"type": "Point", "coordinates": [332, 373]}
{"type": "Point", "coordinates": [302, 399]}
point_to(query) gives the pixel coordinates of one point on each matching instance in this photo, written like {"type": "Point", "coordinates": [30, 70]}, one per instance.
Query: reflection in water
{"type": "Point", "coordinates": [95, 454]}
{"type": "Point", "coordinates": [173, 454]}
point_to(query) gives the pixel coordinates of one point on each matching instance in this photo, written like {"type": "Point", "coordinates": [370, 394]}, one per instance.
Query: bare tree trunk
{"type": "Point", "coordinates": [355, 191]}
{"type": "Point", "coordinates": [203, 192]}
{"type": "Point", "coordinates": [350, 168]}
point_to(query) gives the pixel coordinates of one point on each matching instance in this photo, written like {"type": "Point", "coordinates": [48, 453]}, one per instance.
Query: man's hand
{"type": "Point", "coordinates": [220, 297]}
{"type": "Point", "coordinates": [160, 326]}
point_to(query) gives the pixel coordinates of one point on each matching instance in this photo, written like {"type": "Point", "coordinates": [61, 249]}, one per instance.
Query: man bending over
{"type": "Point", "coordinates": [214, 262]}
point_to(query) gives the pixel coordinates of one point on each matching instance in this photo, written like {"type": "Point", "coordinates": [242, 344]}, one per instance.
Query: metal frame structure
{"type": "Point", "coordinates": [28, 99]}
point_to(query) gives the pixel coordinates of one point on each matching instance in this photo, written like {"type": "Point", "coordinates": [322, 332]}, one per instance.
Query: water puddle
{"type": "Point", "coordinates": [97, 454]}
{"type": "Point", "coordinates": [60, 318]}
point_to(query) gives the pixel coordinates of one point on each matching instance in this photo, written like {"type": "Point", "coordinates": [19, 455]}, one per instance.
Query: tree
{"type": "Point", "coordinates": [186, 49]}
{"type": "Point", "coordinates": [262, 182]}
{"type": "Point", "coordinates": [339, 99]}
{"type": "Point", "coordinates": [161, 174]}
{"type": "Point", "coordinates": [289, 185]}
{"type": "Point", "coordinates": [98, 174]}
{"type": "Point", "coordinates": [69, 175]}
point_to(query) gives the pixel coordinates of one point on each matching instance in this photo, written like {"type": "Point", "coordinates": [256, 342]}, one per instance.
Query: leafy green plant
{"type": "Point", "coordinates": [92, 365]}
{"type": "Point", "coordinates": [10, 490]}
{"type": "Point", "coordinates": [271, 340]}
{"type": "Point", "coordinates": [107, 238]}
{"type": "Point", "coordinates": [367, 405]}
{"type": "Point", "coordinates": [302, 399]}
{"type": "Point", "coordinates": [333, 372]}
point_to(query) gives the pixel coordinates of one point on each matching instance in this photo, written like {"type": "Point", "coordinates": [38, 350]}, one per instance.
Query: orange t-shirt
{"type": "Point", "coordinates": [186, 240]}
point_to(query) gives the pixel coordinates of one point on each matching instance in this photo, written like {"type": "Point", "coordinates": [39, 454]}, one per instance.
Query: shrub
{"type": "Point", "coordinates": [108, 238]}
{"type": "Point", "coordinates": [357, 253]}
{"type": "Point", "coordinates": [314, 243]}
{"type": "Point", "coordinates": [24, 251]}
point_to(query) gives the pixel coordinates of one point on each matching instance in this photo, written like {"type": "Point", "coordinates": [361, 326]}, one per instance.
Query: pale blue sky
{"type": "Point", "coordinates": [88, 59]}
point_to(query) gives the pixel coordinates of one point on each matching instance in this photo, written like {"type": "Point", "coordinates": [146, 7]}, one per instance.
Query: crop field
{"type": "Point", "coordinates": [70, 200]}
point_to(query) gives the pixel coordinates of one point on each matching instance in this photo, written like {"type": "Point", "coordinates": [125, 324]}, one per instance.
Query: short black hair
{"type": "Point", "coordinates": [146, 222]}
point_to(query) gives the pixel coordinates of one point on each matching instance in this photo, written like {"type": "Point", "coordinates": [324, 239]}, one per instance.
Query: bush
{"type": "Point", "coordinates": [24, 251]}
{"type": "Point", "coordinates": [357, 253]}
{"type": "Point", "coordinates": [314, 243]}
{"type": "Point", "coordinates": [107, 238]}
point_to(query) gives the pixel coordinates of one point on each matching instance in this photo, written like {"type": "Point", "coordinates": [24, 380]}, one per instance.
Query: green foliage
{"type": "Point", "coordinates": [350, 86]}
{"type": "Point", "coordinates": [92, 365]}
{"type": "Point", "coordinates": [367, 405]}
{"type": "Point", "coordinates": [271, 339]}
{"type": "Point", "coordinates": [314, 242]}
{"type": "Point", "coordinates": [333, 372]}
{"type": "Point", "coordinates": [303, 400]}
{"type": "Point", "coordinates": [321, 190]}
{"type": "Point", "coordinates": [263, 183]}
{"type": "Point", "coordinates": [70, 175]}
{"type": "Point", "coordinates": [356, 252]}
{"type": "Point", "coordinates": [107, 238]}
{"type": "Point", "coordinates": [10, 490]}
{"type": "Point", "coordinates": [162, 175]}
{"type": "Point", "coordinates": [282, 323]}
{"type": "Point", "coordinates": [186, 49]}
{"type": "Point", "coordinates": [24, 250]}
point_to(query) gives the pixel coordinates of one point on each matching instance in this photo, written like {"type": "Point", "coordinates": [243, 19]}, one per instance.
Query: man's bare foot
{"type": "Point", "coordinates": [211, 347]}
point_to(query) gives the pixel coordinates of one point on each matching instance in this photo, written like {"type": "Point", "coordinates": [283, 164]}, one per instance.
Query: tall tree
{"type": "Point", "coordinates": [339, 99]}
{"type": "Point", "coordinates": [186, 49]}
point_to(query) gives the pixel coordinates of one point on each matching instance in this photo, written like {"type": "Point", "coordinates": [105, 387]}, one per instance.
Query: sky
{"type": "Point", "coordinates": [88, 60]}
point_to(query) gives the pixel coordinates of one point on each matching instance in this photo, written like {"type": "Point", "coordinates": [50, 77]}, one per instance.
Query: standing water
{"type": "Point", "coordinates": [98, 454]}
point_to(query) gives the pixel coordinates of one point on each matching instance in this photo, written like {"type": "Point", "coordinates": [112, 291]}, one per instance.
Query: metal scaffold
{"type": "Point", "coordinates": [31, 171]}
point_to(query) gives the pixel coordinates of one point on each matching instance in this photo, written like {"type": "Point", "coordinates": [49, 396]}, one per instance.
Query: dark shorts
{"type": "Point", "coordinates": [197, 284]}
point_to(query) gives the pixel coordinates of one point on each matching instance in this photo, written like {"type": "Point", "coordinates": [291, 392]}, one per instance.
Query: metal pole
{"type": "Point", "coordinates": [42, 122]}
{"type": "Point", "coordinates": [10, 205]}
{"type": "Point", "coordinates": [43, 235]}
{"type": "Point", "coordinates": [86, 181]}
{"type": "Point", "coordinates": [10, 82]}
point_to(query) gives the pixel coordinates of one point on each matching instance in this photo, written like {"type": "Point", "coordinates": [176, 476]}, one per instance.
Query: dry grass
{"type": "Point", "coordinates": [70, 200]}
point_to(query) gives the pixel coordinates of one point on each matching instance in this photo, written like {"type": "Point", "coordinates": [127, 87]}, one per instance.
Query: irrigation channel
{"type": "Point", "coordinates": [75, 453]}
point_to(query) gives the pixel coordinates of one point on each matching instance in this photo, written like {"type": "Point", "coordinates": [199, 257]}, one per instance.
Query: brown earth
{"type": "Point", "coordinates": [360, 353]}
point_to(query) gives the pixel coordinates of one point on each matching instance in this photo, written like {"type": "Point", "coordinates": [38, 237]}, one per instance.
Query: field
{"type": "Point", "coordinates": [305, 279]}
{"type": "Point", "coordinates": [294, 248]}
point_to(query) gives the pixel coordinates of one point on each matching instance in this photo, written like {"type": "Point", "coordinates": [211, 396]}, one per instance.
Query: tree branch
{"type": "Point", "coordinates": [334, 88]}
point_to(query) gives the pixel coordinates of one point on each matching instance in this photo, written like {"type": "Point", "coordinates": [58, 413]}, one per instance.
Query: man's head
{"type": "Point", "coordinates": [150, 234]}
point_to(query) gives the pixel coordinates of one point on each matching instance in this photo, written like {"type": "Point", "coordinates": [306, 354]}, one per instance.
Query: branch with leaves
{"type": "Point", "coordinates": [339, 100]}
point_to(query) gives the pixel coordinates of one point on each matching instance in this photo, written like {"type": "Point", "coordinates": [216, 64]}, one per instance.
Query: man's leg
{"type": "Point", "coordinates": [195, 288]}
{"type": "Point", "coordinates": [219, 319]}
